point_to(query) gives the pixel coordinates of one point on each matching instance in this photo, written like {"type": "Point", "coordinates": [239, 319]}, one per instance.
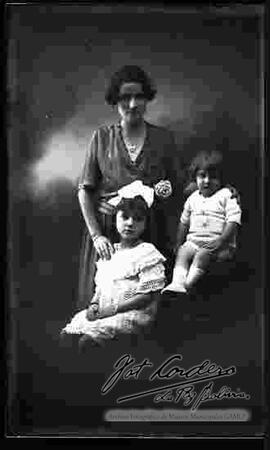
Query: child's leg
{"type": "Point", "coordinates": [198, 267]}
{"type": "Point", "coordinates": [183, 260]}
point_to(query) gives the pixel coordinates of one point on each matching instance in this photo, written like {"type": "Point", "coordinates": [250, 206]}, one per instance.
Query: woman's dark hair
{"type": "Point", "coordinates": [135, 206]}
{"type": "Point", "coordinates": [205, 160]}
{"type": "Point", "coordinates": [129, 74]}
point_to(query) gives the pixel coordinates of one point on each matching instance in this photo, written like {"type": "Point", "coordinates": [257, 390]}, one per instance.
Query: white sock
{"type": "Point", "coordinates": [178, 280]}
{"type": "Point", "coordinates": [179, 275]}
{"type": "Point", "coordinates": [194, 274]}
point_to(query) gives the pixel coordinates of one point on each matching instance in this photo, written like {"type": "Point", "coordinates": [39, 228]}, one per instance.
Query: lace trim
{"type": "Point", "coordinates": [145, 257]}
{"type": "Point", "coordinates": [151, 286]}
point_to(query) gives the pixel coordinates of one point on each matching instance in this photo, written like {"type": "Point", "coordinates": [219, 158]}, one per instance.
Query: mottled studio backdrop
{"type": "Point", "coordinates": [207, 66]}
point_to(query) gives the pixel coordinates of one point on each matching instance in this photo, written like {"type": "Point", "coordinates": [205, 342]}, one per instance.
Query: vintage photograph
{"type": "Point", "coordinates": [136, 235]}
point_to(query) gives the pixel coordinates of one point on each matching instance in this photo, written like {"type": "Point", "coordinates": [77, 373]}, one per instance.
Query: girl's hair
{"type": "Point", "coordinates": [205, 160]}
{"type": "Point", "coordinates": [135, 206]}
{"type": "Point", "coordinates": [129, 74]}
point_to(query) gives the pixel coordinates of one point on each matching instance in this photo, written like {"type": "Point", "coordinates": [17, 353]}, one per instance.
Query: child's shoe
{"type": "Point", "coordinates": [175, 287]}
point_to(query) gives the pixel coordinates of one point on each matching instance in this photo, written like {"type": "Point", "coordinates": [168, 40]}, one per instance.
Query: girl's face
{"type": "Point", "coordinates": [130, 226]}
{"type": "Point", "coordinates": [208, 182]}
{"type": "Point", "coordinates": [131, 103]}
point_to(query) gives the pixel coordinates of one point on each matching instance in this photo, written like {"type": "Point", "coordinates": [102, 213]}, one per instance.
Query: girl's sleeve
{"type": "Point", "coordinates": [185, 216]}
{"type": "Point", "coordinates": [151, 271]}
{"type": "Point", "coordinates": [91, 174]}
{"type": "Point", "coordinates": [232, 209]}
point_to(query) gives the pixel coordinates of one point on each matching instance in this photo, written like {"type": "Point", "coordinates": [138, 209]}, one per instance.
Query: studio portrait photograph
{"type": "Point", "coordinates": [136, 287]}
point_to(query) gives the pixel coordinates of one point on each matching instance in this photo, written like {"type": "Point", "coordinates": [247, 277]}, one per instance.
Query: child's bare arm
{"type": "Point", "coordinates": [181, 235]}
{"type": "Point", "coordinates": [218, 243]}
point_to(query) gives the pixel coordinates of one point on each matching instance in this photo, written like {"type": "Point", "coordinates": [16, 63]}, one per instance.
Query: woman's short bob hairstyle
{"type": "Point", "coordinates": [129, 74]}
{"type": "Point", "coordinates": [210, 161]}
{"type": "Point", "coordinates": [134, 207]}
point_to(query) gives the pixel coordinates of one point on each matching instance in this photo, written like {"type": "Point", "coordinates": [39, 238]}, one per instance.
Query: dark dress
{"type": "Point", "coordinates": [107, 168]}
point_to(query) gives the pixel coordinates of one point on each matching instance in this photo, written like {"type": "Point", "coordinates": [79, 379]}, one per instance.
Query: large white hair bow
{"type": "Point", "coordinates": [131, 190]}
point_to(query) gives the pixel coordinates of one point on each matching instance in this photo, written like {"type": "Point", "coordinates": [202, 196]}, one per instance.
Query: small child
{"type": "Point", "coordinates": [124, 298]}
{"type": "Point", "coordinates": [208, 224]}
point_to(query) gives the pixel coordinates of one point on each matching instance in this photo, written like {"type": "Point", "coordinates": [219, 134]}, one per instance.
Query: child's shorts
{"type": "Point", "coordinates": [226, 254]}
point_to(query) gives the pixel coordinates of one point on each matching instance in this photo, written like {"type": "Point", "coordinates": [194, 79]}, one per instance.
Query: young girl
{"type": "Point", "coordinates": [208, 224]}
{"type": "Point", "coordinates": [124, 298]}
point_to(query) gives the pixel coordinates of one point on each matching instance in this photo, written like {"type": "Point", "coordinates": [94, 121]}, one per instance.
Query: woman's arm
{"type": "Point", "coordinates": [86, 200]}
{"type": "Point", "coordinates": [89, 180]}
{"type": "Point", "coordinates": [101, 243]}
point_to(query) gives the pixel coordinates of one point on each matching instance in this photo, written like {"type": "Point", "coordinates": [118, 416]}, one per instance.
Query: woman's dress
{"type": "Point", "coordinates": [107, 168]}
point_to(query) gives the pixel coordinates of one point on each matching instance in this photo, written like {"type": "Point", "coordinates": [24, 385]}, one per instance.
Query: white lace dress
{"type": "Point", "coordinates": [129, 272]}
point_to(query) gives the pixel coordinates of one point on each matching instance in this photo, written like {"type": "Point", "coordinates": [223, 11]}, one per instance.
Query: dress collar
{"type": "Point", "coordinates": [124, 148]}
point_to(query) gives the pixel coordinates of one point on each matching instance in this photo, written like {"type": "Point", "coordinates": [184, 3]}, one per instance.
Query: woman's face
{"type": "Point", "coordinates": [129, 226]}
{"type": "Point", "coordinates": [131, 103]}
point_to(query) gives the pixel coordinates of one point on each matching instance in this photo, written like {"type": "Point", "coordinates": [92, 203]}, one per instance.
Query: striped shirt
{"type": "Point", "coordinates": [206, 217]}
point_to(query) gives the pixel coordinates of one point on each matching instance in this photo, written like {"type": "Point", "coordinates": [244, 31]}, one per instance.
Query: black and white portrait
{"type": "Point", "coordinates": [135, 143]}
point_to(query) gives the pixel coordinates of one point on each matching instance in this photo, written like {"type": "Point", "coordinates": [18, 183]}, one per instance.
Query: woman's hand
{"type": "Point", "coordinates": [103, 247]}
{"type": "Point", "coordinates": [163, 189]}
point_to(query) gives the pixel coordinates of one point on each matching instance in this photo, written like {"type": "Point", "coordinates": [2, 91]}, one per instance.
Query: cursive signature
{"type": "Point", "coordinates": [193, 398]}
{"type": "Point", "coordinates": [184, 380]}
{"type": "Point", "coordinates": [123, 363]}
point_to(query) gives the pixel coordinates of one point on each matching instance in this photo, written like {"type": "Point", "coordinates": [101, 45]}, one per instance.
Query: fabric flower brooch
{"type": "Point", "coordinates": [163, 189]}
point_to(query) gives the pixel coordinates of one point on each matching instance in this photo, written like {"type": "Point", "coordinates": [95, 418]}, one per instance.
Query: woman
{"type": "Point", "coordinates": [118, 155]}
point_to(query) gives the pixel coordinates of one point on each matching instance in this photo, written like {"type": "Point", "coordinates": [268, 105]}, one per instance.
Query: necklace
{"type": "Point", "coordinates": [134, 149]}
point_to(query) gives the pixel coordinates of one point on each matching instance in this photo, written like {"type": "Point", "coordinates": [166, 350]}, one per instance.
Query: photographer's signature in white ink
{"type": "Point", "coordinates": [184, 390]}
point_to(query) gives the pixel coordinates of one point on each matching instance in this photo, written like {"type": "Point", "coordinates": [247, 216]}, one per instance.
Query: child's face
{"type": "Point", "coordinates": [130, 226]}
{"type": "Point", "coordinates": [207, 181]}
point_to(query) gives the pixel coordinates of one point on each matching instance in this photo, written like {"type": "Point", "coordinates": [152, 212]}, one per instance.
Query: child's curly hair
{"type": "Point", "coordinates": [204, 160]}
